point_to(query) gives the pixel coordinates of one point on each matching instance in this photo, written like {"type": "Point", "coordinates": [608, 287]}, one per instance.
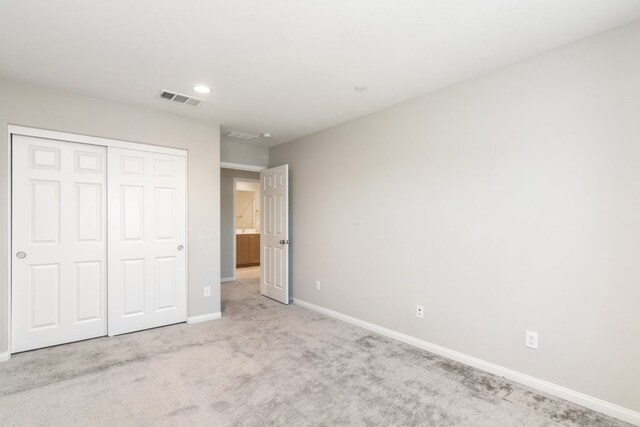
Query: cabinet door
{"type": "Point", "coordinates": [255, 249]}
{"type": "Point", "coordinates": [243, 250]}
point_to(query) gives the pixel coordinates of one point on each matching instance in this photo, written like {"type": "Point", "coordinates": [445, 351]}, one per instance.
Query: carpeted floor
{"type": "Point", "coordinates": [264, 363]}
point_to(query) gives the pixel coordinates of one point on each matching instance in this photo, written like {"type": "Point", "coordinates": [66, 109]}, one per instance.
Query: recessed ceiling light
{"type": "Point", "coordinates": [266, 135]}
{"type": "Point", "coordinates": [360, 88]}
{"type": "Point", "coordinates": [201, 89]}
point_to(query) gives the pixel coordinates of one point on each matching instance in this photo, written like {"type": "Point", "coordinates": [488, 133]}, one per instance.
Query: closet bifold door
{"type": "Point", "coordinates": [146, 243]}
{"type": "Point", "coordinates": [58, 282]}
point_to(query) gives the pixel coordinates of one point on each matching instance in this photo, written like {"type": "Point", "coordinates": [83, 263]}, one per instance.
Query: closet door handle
{"type": "Point", "coordinates": [180, 247]}
{"type": "Point", "coordinates": [21, 255]}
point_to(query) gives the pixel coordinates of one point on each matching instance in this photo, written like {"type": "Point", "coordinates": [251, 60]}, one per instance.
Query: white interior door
{"type": "Point", "coordinates": [274, 262]}
{"type": "Point", "coordinates": [59, 242]}
{"type": "Point", "coordinates": [147, 239]}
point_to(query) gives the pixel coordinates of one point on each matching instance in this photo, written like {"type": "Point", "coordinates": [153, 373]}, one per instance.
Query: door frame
{"type": "Point", "coordinates": [90, 140]}
{"type": "Point", "coordinates": [235, 219]}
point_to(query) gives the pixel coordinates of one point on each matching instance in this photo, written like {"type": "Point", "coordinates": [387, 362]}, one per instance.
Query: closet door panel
{"type": "Point", "coordinates": [147, 234]}
{"type": "Point", "coordinates": [58, 242]}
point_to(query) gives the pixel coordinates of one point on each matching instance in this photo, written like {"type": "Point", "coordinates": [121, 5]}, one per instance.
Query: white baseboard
{"type": "Point", "coordinates": [5, 356]}
{"type": "Point", "coordinates": [228, 279]}
{"type": "Point", "coordinates": [582, 399]}
{"type": "Point", "coordinates": [203, 318]}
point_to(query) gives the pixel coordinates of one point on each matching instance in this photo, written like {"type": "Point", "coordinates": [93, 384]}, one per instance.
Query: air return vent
{"type": "Point", "coordinates": [179, 98]}
{"type": "Point", "coordinates": [239, 135]}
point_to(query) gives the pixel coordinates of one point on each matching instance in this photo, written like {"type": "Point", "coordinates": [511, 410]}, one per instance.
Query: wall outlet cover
{"type": "Point", "coordinates": [420, 311]}
{"type": "Point", "coordinates": [317, 285]}
{"type": "Point", "coordinates": [207, 291]}
{"type": "Point", "coordinates": [531, 340]}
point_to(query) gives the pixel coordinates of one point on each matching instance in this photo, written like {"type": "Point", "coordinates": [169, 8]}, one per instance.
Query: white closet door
{"type": "Point", "coordinates": [59, 242]}
{"type": "Point", "coordinates": [147, 230]}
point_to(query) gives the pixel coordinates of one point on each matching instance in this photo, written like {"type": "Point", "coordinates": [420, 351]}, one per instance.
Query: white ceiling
{"type": "Point", "coordinates": [283, 66]}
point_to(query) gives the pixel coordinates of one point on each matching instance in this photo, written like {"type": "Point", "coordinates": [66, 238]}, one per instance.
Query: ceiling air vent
{"type": "Point", "coordinates": [167, 95]}
{"type": "Point", "coordinates": [240, 135]}
{"type": "Point", "coordinates": [180, 98]}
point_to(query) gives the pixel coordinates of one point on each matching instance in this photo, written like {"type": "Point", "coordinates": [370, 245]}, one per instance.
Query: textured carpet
{"type": "Point", "coordinates": [264, 363]}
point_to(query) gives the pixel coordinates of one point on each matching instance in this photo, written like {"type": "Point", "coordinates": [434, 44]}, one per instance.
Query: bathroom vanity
{"type": "Point", "coordinates": [247, 249]}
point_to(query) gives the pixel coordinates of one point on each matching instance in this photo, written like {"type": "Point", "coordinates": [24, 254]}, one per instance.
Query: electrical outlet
{"type": "Point", "coordinates": [420, 311]}
{"type": "Point", "coordinates": [532, 340]}
{"type": "Point", "coordinates": [207, 291]}
{"type": "Point", "coordinates": [317, 285]}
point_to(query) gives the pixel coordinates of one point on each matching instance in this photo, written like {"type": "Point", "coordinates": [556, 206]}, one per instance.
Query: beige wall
{"type": "Point", "coordinates": [244, 209]}
{"type": "Point", "coordinates": [39, 107]}
{"type": "Point", "coordinates": [251, 218]}
{"type": "Point", "coordinates": [527, 216]}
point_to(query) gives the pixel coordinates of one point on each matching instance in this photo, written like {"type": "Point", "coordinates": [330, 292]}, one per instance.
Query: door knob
{"type": "Point", "coordinates": [284, 242]}
{"type": "Point", "coordinates": [21, 255]}
{"type": "Point", "coordinates": [180, 247]}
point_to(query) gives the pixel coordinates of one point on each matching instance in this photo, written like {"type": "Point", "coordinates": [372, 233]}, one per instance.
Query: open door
{"type": "Point", "coordinates": [274, 257]}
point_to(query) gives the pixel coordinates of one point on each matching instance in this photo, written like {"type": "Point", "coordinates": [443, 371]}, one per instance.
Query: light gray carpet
{"type": "Point", "coordinates": [264, 363]}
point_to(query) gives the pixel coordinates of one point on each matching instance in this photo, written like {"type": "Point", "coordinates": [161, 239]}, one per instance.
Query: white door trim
{"type": "Point", "coordinates": [94, 140]}
{"type": "Point", "coordinates": [82, 139]}
{"type": "Point", "coordinates": [6, 355]}
{"type": "Point", "coordinates": [242, 167]}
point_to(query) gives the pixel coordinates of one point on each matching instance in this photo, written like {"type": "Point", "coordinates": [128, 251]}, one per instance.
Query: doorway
{"type": "Point", "coordinates": [229, 223]}
{"type": "Point", "coordinates": [246, 209]}
{"type": "Point", "coordinates": [255, 227]}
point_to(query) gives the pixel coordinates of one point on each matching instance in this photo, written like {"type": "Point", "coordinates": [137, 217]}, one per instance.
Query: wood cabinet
{"type": "Point", "coordinates": [247, 250]}
{"type": "Point", "coordinates": [255, 249]}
